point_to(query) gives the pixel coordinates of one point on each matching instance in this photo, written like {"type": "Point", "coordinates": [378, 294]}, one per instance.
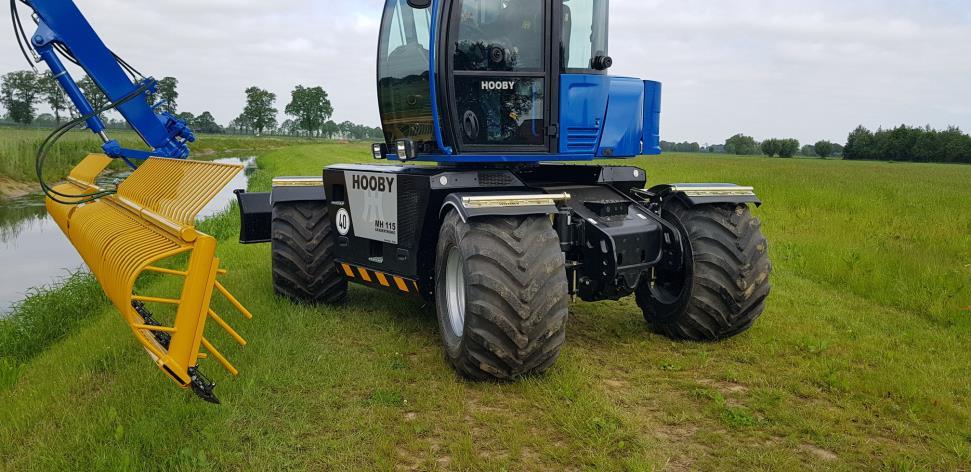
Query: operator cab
{"type": "Point", "coordinates": [497, 81]}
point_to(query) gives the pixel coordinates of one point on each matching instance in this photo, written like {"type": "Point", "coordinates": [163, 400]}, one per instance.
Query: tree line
{"type": "Point", "coordinates": [903, 143]}
{"type": "Point", "coordinates": [743, 145]}
{"type": "Point", "coordinates": [909, 144]}
{"type": "Point", "coordinates": [308, 112]}
{"type": "Point", "coordinates": [667, 146]}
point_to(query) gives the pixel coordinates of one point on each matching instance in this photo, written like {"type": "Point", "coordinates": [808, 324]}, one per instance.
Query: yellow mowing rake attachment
{"type": "Point", "coordinates": [144, 228]}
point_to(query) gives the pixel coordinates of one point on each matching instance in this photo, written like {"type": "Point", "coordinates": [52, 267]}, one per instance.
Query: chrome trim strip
{"type": "Point", "coordinates": [298, 182]}
{"type": "Point", "coordinates": [498, 201]}
{"type": "Point", "coordinates": [715, 191]}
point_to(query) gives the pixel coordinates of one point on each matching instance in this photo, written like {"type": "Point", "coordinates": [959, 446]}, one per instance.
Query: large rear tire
{"type": "Point", "coordinates": [302, 242]}
{"type": "Point", "coordinates": [501, 296]}
{"type": "Point", "coordinates": [721, 290]}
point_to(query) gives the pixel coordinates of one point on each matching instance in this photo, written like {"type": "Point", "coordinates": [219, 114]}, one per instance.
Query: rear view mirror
{"type": "Point", "coordinates": [419, 4]}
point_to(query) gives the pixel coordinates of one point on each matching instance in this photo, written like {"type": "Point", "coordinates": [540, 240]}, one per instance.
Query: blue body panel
{"type": "Point", "coordinates": [60, 22]}
{"type": "Point", "coordinates": [624, 124]}
{"type": "Point", "coordinates": [652, 118]}
{"type": "Point", "coordinates": [581, 123]}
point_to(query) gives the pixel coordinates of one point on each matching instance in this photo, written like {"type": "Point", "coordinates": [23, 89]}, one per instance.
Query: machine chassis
{"type": "Point", "coordinates": [610, 236]}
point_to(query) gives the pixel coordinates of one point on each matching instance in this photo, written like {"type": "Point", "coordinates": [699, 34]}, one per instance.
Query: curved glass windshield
{"type": "Point", "coordinates": [584, 32]}
{"type": "Point", "coordinates": [403, 84]}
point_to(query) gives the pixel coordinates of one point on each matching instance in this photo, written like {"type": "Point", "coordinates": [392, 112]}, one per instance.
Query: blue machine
{"type": "Point", "coordinates": [499, 235]}
{"type": "Point", "coordinates": [63, 31]}
{"type": "Point", "coordinates": [483, 81]}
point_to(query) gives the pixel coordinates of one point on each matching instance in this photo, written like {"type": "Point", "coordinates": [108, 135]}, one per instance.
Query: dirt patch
{"type": "Point", "coordinates": [819, 452]}
{"type": "Point", "coordinates": [731, 387]}
{"type": "Point", "coordinates": [406, 460]}
{"type": "Point", "coordinates": [410, 461]}
{"type": "Point", "coordinates": [671, 437]}
{"type": "Point", "coordinates": [725, 387]}
{"type": "Point", "coordinates": [10, 188]}
{"type": "Point", "coordinates": [617, 384]}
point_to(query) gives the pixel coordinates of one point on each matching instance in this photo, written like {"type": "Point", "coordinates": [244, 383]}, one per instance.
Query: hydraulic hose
{"type": "Point", "coordinates": [60, 132]}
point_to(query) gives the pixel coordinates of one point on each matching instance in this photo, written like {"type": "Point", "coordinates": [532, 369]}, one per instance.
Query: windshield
{"type": "Point", "coordinates": [584, 32]}
{"type": "Point", "coordinates": [403, 84]}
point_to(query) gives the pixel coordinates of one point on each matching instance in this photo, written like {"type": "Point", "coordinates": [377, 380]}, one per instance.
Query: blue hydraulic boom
{"type": "Point", "coordinates": [62, 30]}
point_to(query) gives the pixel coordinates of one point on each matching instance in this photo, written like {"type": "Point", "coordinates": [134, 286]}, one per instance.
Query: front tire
{"type": "Point", "coordinates": [501, 295]}
{"type": "Point", "coordinates": [302, 243]}
{"type": "Point", "coordinates": [721, 289]}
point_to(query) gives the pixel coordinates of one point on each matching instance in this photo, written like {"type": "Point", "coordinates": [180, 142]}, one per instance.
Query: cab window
{"type": "Point", "coordinates": [500, 35]}
{"type": "Point", "coordinates": [507, 111]}
{"type": "Point", "coordinates": [403, 83]}
{"type": "Point", "coordinates": [584, 33]}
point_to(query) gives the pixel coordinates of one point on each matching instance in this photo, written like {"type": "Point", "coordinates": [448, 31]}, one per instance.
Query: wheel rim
{"type": "Point", "coordinates": [668, 287]}
{"type": "Point", "coordinates": [455, 291]}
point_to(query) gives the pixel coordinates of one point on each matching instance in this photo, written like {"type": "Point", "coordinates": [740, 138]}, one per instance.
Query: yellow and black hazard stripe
{"type": "Point", "coordinates": [378, 279]}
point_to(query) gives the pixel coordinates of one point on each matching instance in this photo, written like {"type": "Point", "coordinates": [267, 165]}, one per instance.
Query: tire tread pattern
{"type": "Point", "coordinates": [518, 303]}
{"type": "Point", "coordinates": [302, 243]}
{"type": "Point", "coordinates": [731, 274]}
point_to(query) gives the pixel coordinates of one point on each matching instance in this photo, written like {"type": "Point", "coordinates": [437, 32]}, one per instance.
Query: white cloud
{"type": "Point", "coordinates": [810, 70]}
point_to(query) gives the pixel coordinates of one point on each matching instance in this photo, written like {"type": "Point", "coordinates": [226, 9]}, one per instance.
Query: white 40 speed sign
{"type": "Point", "coordinates": [343, 222]}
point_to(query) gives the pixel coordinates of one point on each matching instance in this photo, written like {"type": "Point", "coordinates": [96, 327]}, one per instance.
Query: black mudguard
{"type": "Point", "coordinates": [255, 214]}
{"type": "Point", "coordinates": [256, 209]}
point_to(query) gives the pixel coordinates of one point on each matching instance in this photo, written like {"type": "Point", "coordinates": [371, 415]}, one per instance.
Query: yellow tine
{"type": "Point", "coordinates": [153, 348]}
{"type": "Point", "coordinates": [160, 270]}
{"type": "Point", "coordinates": [158, 186]}
{"type": "Point", "coordinates": [232, 300]}
{"type": "Point", "coordinates": [160, 329]}
{"type": "Point", "coordinates": [219, 357]}
{"type": "Point", "coordinates": [232, 332]}
{"type": "Point", "coordinates": [164, 301]}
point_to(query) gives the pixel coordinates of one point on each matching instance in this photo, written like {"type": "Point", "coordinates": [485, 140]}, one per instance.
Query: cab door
{"type": "Point", "coordinates": [500, 88]}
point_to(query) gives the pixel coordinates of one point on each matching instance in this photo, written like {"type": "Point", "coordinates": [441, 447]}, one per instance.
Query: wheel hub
{"type": "Point", "coordinates": [455, 291]}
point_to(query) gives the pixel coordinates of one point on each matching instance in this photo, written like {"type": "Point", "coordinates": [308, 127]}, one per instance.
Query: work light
{"type": "Point", "coordinates": [406, 149]}
{"type": "Point", "coordinates": [379, 150]}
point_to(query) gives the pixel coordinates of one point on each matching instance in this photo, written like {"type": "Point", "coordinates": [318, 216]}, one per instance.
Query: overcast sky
{"type": "Point", "coordinates": [811, 69]}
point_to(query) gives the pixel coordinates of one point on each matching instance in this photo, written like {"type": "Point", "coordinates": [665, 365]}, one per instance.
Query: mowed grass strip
{"type": "Point", "coordinates": [840, 373]}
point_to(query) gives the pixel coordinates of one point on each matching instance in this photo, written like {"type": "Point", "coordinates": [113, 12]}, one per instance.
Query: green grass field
{"type": "Point", "coordinates": [860, 361]}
